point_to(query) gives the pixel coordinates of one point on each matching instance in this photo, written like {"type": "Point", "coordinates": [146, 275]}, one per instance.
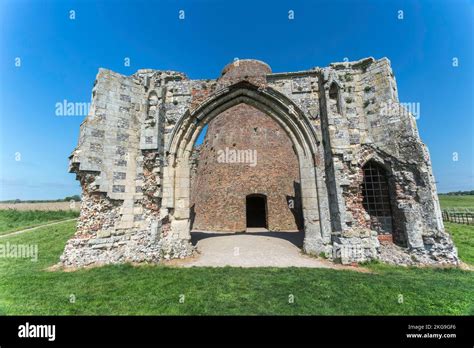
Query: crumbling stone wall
{"type": "Point", "coordinates": [368, 123]}
{"type": "Point", "coordinates": [133, 161]}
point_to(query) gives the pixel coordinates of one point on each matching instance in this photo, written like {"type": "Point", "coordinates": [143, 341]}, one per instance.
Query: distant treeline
{"type": "Point", "coordinates": [459, 193]}
{"type": "Point", "coordinates": [75, 198]}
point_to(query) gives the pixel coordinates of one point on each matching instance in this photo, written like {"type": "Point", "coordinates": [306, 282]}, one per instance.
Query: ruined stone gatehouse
{"type": "Point", "coordinates": [328, 151]}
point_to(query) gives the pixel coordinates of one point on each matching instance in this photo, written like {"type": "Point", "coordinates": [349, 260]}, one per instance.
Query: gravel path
{"type": "Point", "coordinates": [254, 249]}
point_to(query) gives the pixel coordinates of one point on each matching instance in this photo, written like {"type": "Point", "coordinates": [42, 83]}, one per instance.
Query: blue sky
{"type": "Point", "coordinates": [60, 58]}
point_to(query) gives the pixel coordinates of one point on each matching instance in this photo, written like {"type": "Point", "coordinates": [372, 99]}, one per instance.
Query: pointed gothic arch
{"type": "Point", "coordinates": [176, 176]}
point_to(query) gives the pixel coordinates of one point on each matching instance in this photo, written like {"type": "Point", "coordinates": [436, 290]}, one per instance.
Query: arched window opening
{"type": "Point", "coordinates": [376, 196]}
{"type": "Point", "coordinates": [334, 103]}
{"type": "Point", "coordinates": [152, 104]}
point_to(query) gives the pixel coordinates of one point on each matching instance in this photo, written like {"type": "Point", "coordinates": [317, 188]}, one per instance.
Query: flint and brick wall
{"type": "Point", "coordinates": [219, 191]}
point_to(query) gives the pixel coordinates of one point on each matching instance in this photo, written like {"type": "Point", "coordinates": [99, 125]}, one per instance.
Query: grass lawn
{"type": "Point", "coordinates": [13, 220]}
{"type": "Point", "coordinates": [463, 236]}
{"type": "Point", "coordinates": [456, 202]}
{"type": "Point", "coordinates": [27, 288]}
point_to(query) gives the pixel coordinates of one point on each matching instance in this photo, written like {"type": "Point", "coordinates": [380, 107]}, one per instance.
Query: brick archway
{"type": "Point", "coordinates": [176, 173]}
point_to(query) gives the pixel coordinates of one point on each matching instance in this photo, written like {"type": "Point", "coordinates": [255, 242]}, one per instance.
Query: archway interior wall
{"type": "Point", "coordinates": [244, 152]}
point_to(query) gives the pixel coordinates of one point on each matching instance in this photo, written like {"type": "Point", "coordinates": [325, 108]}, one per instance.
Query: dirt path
{"type": "Point", "coordinates": [35, 228]}
{"type": "Point", "coordinates": [265, 249]}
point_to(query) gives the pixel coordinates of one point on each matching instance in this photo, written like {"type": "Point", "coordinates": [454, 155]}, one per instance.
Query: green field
{"type": "Point", "coordinates": [456, 202]}
{"type": "Point", "coordinates": [463, 235]}
{"type": "Point", "coordinates": [28, 288]}
{"type": "Point", "coordinates": [13, 220]}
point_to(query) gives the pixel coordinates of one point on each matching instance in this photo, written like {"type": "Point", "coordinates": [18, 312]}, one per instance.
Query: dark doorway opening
{"type": "Point", "coordinates": [256, 209]}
